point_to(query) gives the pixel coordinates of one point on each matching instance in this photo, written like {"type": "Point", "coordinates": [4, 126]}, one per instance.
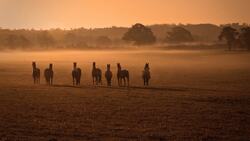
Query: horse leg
{"type": "Point", "coordinates": [118, 81]}
{"type": "Point", "coordinates": [128, 80]}
{"type": "Point", "coordinates": [110, 82]}
{"type": "Point", "coordinates": [51, 81]}
{"type": "Point", "coordinates": [124, 81]}
{"type": "Point", "coordinates": [34, 79]}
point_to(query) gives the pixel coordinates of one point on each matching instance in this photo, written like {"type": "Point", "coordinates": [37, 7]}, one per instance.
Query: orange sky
{"type": "Point", "coordinates": [104, 13]}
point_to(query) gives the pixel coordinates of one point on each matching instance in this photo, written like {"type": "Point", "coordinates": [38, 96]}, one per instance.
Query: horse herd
{"type": "Point", "coordinates": [122, 75]}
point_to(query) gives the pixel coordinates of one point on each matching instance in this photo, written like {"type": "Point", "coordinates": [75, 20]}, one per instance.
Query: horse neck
{"type": "Point", "coordinates": [119, 69]}
{"type": "Point", "coordinates": [146, 69]}
{"type": "Point", "coordinates": [108, 68]}
{"type": "Point", "coordinates": [34, 68]}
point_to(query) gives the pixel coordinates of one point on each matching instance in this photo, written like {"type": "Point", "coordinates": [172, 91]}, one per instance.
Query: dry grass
{"type": "Point", "coordinates": [194, 95]}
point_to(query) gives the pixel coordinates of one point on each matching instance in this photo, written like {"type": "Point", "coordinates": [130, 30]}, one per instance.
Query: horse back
{"type": "Point", "coordinates": [36, 72]}
{"type": "Point", "coordinates": [108, 74]}
{"type": "Point", "coordinates": [48, 73]}
{"type": "Point", "coordinates": [123, 73]}
{"type": "Point", "coordinates": [146, 74]}
{"type": "Point", "coordinates": [96, 72]}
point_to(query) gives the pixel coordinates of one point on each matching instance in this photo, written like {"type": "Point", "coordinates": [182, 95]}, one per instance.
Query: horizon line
{"type": "Point", "coordinates": [90, 28]}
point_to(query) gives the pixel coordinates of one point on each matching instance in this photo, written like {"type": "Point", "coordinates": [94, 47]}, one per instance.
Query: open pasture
{"type": "Point", "coordinates": [198, 95]}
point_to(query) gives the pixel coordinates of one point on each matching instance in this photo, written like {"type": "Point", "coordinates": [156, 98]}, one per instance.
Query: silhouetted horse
{"type": "Point", "coordinates": [108, 75]}
{"type": "Point", "coordinates": [122, 75]}
{"type": "Point", "coordinates": [146, 74]}
{"type": "Point", "coordinates": [49, 74]}
{"type": "Point", "coordinates": [36, 73]}
{"type": "Point", "coordinates": [96, 75]}
{"type": "Point", "coordinates": [76, 74]}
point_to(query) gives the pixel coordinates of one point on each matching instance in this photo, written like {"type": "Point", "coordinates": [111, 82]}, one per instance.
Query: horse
{"type": "Point", "coordinates": [36, 73]}
{"type": "Point", "coordinates": [76, 74]}
{"type": "Point", "coordinates": [96, 75]}
{"type": "Point", "coordinates": [49, 74]}
{"type": "Point", "coordinates": [108, 75]}
{"type": "Point", "coordinates": [122, 75]}
{"type": "Point", "coordinates": [146, 74]}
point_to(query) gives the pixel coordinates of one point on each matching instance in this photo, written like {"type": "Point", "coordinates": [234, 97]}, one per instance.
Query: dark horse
{"type": "Point", "coordinates": [146, 74]}
{"type": "Point", "coordinates": [36, 73]}
{"type": "Point", "coordinates": [108, 75]}
{"type": "Point", "coordinates": [76, 74]}
{"type": "Point", "coordinates": [96, 75]}
{"type": "Point", "coordinates": [49, 74]}
{"type": "Point", "coordinates": [122, 75]}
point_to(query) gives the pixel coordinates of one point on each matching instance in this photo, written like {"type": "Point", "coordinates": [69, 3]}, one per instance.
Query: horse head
{"type": "Point", "coordinates": [34, 64]}
{"type": "Point", "coordinates": [74, 65]}
{"type": "Point", "coordinates": [50, 66]}
{"type": "Point", "coordinates": [108, 66]}
{"type": "Point", "coordinates": [119, 65]}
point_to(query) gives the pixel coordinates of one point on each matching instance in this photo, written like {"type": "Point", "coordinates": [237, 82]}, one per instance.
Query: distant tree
{"type": "Point", "coordinates": [45, 39]}
{"type": "Point", "coordinates": [230, 34]}
{"type": "Point", "coordinates": [139, 34]}
{"type": "Point", "coordinates": [70, 39]}
{"type": "Point", "coordinates": [14, 41]}
{"type": "Point", "coordinates": [245, 37]}
{"type": "Point", "coordinates": [103, 40]}
{"type": "Point", "coordinates": [179, 35]}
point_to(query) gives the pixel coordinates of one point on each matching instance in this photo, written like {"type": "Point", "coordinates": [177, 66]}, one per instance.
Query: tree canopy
{"type": "Point", "coordinates": [179, 35]}
{"type": "Point", "coordinates": [140, 34]}
{"type": "Point", "coordinates": [230, 34]}
{"type": "Point", "coordinates": [245, 36]}
{"type": "Point", "coordinates": [103, 40]}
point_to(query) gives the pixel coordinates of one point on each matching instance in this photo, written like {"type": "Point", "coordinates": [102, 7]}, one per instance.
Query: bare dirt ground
{"type": "Point", "coordinates": [194, 95]}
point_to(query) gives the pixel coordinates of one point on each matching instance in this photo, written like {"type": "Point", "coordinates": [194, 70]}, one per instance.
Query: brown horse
{"type": "Point", "coordinates": [76, 74]}
{"type": "Point", "coordinates": [96, 75]}
{"type": "Point", "coordinates": [49, 74]}
{"type": "Point", "coordinates": [122, 75]}
{"type": "Point", "coordinates": [108, 75]}
{"type": "Point", "coordinates": [146, 74]}
{"type": "Point", "coordinates": [36, 73]}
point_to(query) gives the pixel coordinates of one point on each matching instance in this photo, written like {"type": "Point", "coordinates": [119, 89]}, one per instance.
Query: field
{"type": "Point", "coordinates": [200, 95]}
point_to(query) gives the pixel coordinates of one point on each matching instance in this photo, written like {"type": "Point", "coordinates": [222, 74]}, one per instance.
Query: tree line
{"type": "Point", "coordinates": [138, 34]}
{"type": "Point", "coordinates": [236, 38]}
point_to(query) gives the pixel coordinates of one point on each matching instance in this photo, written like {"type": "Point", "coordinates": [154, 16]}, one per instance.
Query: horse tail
{"type": "Point", "coordinates": [79, 75]}
{"type": "Point", "coordinates": [80, 72]}
{"type": "Point", "coordinates": [128, 77]}
{"type": "Point", "coordinates": [73, 74]}
{"type": "Point", "coordinates": [100, 75]}
{"type": "Point", "coordinates": [38, 75]}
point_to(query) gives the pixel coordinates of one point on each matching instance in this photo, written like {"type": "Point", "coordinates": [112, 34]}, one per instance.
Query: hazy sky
{"type": "Point", "coordinates": [104, 13]}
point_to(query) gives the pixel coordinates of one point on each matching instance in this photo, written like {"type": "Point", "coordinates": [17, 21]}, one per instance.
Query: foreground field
{"type": "Point", "coordinates": [194, 95]}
